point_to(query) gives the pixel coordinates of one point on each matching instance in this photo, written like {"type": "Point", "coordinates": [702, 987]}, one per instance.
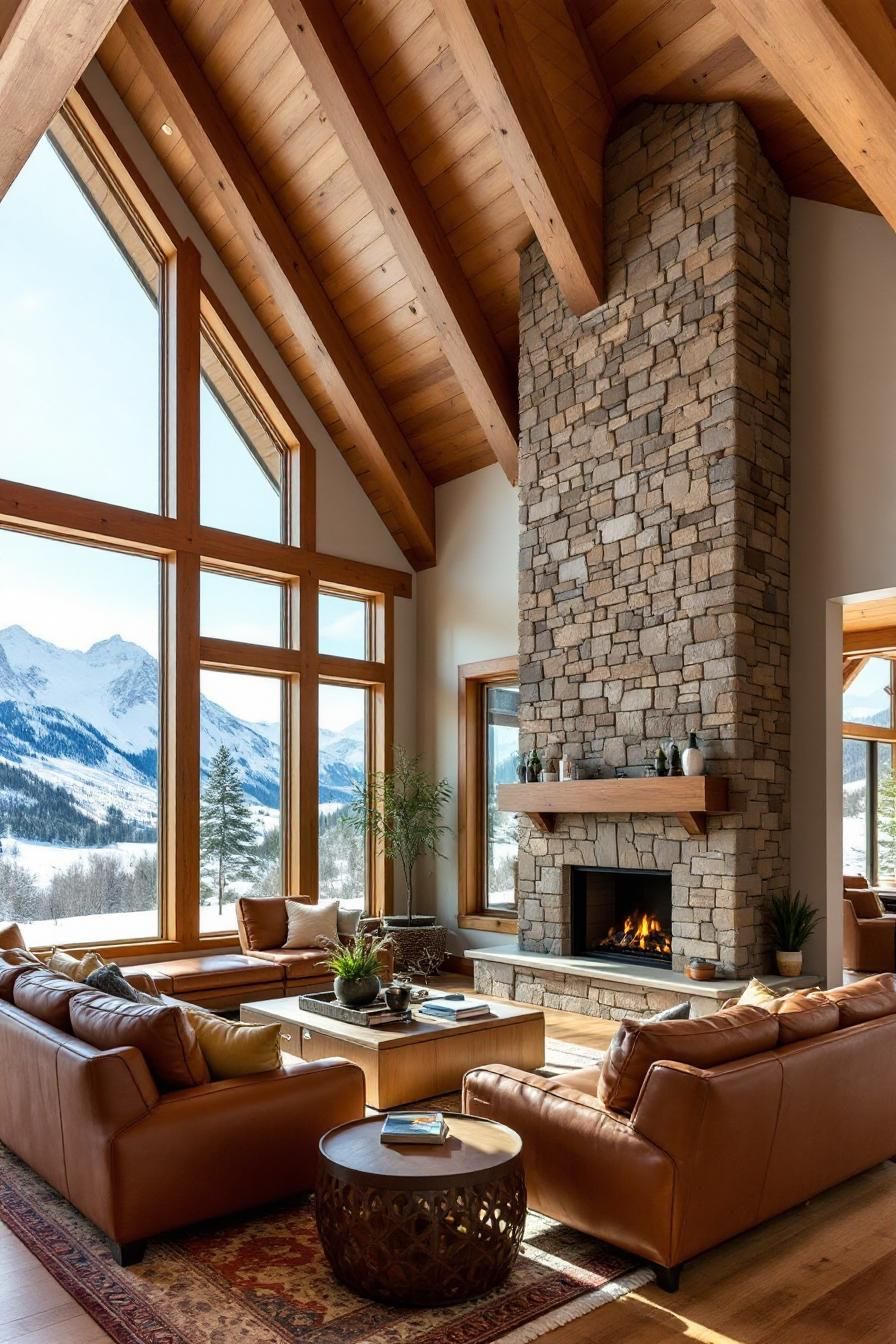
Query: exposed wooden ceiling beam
{"type": "Point", "coordinates": [851, 669]}
{"type": "Point", "coordinates": [45, 47]}
{"type": "Point", "coordinates": [276, 254]}
{"type": "Point", "coordinates": [362, 124]}
{"type": "Point", "coordinates": [836, 59]}
{"type": "Point", "coordinates": [870, 642]}
{"type": "Point", "coordinates": [498, 66]}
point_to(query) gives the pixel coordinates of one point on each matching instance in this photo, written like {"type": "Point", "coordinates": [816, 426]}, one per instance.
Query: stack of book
{"type": "Point", "coordinates": [454, 1008]}
{"type": "Point", "coordinates": [414, 1127]}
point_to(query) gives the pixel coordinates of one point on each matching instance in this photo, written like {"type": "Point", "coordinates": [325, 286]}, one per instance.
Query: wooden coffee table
{"type": "Point", "coordinates": [420, 1226]}
{"type": "Point", "coordinates": [407, 1062]}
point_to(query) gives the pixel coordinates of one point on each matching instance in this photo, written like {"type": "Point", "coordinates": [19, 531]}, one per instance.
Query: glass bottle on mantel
{"type": "Point", "coordinates": [534, 766]}
{"type": "Point", "coordinates": [674, 759]}
{"type": "Point", "coordinates": [567, 767]}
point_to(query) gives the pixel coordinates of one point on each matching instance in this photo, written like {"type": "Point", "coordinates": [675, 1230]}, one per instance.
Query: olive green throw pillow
{"type": "Point", "coordinates": [235, 1049]}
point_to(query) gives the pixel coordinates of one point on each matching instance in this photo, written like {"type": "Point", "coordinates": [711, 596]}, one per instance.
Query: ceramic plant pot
{"type": "Point", "coordinates": [356, 993]}
{"type": "Point", "coordinates": [789, 963]}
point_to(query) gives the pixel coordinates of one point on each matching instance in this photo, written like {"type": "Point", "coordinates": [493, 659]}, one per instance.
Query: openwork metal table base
{"type": "Point", "coordinates": [415, 1247]}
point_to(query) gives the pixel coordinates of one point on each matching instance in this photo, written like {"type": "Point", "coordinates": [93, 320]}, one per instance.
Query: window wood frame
{"type": "Point", "coordinates": [473, 912]}
{"type": "Point", "coordinates": [177, 538]}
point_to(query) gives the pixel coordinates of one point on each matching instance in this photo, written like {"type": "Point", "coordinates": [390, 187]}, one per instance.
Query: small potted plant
{"type": "Point", "coordinates": [402, 810]}
{"type": "Point", "coordinates": [355, 966]}
{"type": "Point", "coordinates": [791, 921]}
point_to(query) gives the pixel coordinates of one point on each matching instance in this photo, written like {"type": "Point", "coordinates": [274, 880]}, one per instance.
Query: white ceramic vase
{"type": "Point", "coordinates": [692, 759]}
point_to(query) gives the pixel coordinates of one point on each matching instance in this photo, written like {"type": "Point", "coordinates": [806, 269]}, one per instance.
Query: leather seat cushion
{"type": "Point", "coordinates": [162, 1034]}
{"type": "Point", "coordinates": [802, 1015]}
{"type": "Point", "coordinates": [304, 963]}
{"type": "Point", "coordinates": [9, 975]}
{"type": "Point", "coordinates": [47, 996]}
{"type": "Point", "coordinates": [702, 1042]}
{"type": "Point", "coordinates": [263, 921]}
{"type": "Point", "coordinates": [203, 973]}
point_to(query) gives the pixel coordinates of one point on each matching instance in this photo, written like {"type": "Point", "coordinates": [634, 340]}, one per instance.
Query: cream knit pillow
{"type": "Point", "coordinates": [308, 924]}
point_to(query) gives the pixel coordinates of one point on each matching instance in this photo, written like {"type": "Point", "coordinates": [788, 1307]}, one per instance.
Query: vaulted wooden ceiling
{"type": "Point", "coordinates": [370, 169]}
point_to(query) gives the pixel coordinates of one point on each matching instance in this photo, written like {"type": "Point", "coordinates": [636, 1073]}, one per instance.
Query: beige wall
{"type": "Point", "coordinates": [466, 611]}
{"type": "Point", "coordinates": [843, 511]}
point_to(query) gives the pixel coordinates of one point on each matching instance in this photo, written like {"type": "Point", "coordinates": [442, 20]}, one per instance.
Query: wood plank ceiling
{"type": "Point", "coordinates": [593, 58]}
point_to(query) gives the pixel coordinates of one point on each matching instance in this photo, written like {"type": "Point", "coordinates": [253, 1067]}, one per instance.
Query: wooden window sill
{"type": "Point", "coordinates": [487, 923]}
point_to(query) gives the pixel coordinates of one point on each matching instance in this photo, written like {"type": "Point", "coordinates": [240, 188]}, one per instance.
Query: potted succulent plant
{"type": "Point", "coordinates": [355, 966]}
{"type": "Point", "coordinates": [401, 809]}
{"type": "Point", "coordinates": [791, 921]}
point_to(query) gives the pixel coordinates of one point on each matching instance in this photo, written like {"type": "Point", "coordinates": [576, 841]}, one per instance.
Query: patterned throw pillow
{"type": "Point", "coordinates": [110, 980]}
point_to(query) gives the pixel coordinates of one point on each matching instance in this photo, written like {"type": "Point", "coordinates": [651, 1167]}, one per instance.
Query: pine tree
{"type": "Point", "coordinates": [886, 825]}
{"type": "Point", "coordinates": [227, 834]}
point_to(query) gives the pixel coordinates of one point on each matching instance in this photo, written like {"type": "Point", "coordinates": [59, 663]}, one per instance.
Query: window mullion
{"type": "Point", "coordinates": [180, 745]}
{"type": "Point", "coordinates": [304, 762]}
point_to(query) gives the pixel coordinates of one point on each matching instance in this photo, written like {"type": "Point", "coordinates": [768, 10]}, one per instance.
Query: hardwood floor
{"type": "Point", "coordinates": [824, 1273]}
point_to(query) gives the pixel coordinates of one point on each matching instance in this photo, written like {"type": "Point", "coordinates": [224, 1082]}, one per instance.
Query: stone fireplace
{"type": "Point", "coordinates": [654, 508]}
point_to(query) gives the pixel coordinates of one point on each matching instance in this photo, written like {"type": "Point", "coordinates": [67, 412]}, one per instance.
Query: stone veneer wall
{"type": "Point", "coordinates": [654, 524]}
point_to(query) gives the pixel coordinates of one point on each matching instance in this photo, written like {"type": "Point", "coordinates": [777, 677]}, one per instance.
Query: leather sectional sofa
{"type": "Point", "coordinates": [692, 1132]}
{"type": "Point", "coordinates": [263, 969]}
{"type": "Point", "coordinates": [133, 1156]}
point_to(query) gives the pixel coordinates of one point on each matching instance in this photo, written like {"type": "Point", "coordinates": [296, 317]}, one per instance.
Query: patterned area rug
{"type": "Point", "coordinates": [263, 1279]}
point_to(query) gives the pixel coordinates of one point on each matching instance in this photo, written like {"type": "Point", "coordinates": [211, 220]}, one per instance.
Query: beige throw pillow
{"type": "Point", "coordinates": [235, 1049]}
{"type": "Point", "coordinates": [347, 922]}
{"type": "Point", "coordinates": [759, 994]}
{"type": "Point", "coordinates": [63, 963]}
{"type": "Point", "coordinates": [308, 924]}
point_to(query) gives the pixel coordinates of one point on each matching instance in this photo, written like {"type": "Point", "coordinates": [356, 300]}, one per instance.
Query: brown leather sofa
{"type": "Point", "coordinates": [262, 926]}
{"type": "Point", "coordinates": [138, 1161]}
{"type": "Point", "coordinates": [705, 1153]}
{"type": "Point", "coordinates": [869, 932]}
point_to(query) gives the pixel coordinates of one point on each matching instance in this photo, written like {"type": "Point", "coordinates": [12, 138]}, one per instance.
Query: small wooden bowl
{"type": "Point", "coordinates": [702, 971]}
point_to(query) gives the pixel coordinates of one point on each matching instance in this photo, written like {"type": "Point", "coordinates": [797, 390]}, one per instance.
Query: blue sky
{"type": "Point", "coordinates": [79, 386]}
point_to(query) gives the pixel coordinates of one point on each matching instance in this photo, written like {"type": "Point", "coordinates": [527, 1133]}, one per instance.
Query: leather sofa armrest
{"type": "Point", "coordinates": [208, 1150]}
{"type": "Point", "coordinates": [585, 1166]}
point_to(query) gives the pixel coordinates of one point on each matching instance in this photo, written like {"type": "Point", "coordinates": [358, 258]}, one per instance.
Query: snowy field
{"type": "Point", "coordinates": [133, 926]}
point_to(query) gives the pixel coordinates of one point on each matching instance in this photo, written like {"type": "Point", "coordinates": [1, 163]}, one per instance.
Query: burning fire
{"type": "Point", "coordinates": [642, 933]}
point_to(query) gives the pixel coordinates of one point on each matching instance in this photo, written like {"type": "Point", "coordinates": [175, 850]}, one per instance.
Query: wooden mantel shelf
{"type": "Point", "coordinates": [689, 798]}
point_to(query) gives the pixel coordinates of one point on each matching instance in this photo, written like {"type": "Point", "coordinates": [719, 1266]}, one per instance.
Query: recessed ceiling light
{"type": "Point", "coordinates": [167, 128]}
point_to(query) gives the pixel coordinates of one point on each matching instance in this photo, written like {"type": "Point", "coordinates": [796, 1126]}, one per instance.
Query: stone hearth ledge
{"type": "Point", "coordinates": [603, 989]}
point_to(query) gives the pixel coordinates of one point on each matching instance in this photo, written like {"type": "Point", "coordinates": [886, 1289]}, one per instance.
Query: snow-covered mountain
{"type": "Point", "coordinates": [87, 722]}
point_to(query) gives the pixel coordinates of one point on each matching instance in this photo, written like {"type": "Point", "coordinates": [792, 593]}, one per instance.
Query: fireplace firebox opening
{"type": "Point", "coordinates": [622, 914]}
